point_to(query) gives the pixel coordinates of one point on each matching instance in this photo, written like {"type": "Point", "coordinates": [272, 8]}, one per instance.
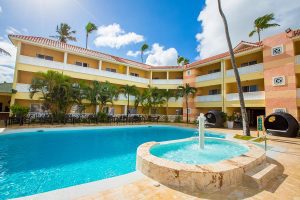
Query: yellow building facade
{"type": "Point", "coordinates": [269, 71]}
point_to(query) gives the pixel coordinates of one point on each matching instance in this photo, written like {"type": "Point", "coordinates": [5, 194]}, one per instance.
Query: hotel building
{"type": "Point", "coordinates": [269, 70]}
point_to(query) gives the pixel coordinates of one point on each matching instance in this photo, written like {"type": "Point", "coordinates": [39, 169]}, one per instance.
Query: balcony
{"type": "Point", "coordinates": [260, 95]}
{"type": "Point", "coordinates": [122, 97]}
{"type": "Point", "coordinates": [209, 98]}
{"type": "Point", "coordinates": [78, 69]}
{"type": "Point", "coordinates": [298, 60]}
{"type": "Point", "coordinates": [167, 82]}
{"type": "Point", "coordinates": [208, 77]}
{"type": "Point", "coordinates": [247, 70]}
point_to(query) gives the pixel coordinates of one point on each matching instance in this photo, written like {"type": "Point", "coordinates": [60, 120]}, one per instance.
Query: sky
{"type": "Point", "coordinates": [189, 28]}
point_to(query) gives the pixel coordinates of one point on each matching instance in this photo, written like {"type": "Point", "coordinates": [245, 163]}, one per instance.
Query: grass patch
{"type": "Point", "coordinates": [243, 137]}
{"type": "Point", "coordinates": [259, 140]}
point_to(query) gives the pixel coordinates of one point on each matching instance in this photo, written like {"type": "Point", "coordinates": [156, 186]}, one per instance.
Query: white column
{"type": "Point", "coordinates": [150, 77]}
{"type": "Point", "coordinates": [127, 71]}
{"type": "Point", "coordinates": [65, 57]}
{"type": "Point", "coordinates": [167, 75]}
{"type": "Point", "coordinates": [100, 64]}
{"type": "Point", "coordinates": [97, 108]}
{"type": "Point", "coordinates": [125, 109]}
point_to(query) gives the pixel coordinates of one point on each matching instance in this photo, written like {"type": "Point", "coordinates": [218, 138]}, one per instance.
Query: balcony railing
{"type": "Point", "coordinates": [260, 95]}
{"type": "Point", "coordinates": [209, 98]}
{"type": "Point", "coordinates": [247, 70]}
{"type": "Point", "coordinates": [167, 82]}
{"type": "Point", "coordinates": [173, 100]}
{"type": "Point", "coordinates": [75, 68]}
{"type": "Point", "coordinates": [21, 87]}
{"type": "Point", "coordinates": [298, 60]}
{"type": "Point", "coordinates": [208, 77]}
{"type": "Point", "coordinates": [122, 97]}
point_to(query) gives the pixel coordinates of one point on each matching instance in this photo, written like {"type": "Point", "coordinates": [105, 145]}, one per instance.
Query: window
{"type": "Point", "coordinates": [214, 92]}
{"type": "Point", "coordinates": [188, 72]}
{"type": "Point", "coordinates": [189, 111]}
{"type": "Point", "coordinates": [155, 78]}
{"type": "Point", "coordinates": [249, 63]}
{"type": "Point", "coordinates": [134, 74]}
{"type": "Point", "coordinates": [82, 64]}
{"type": "Point", "coordinates": [250, 88]}
{"type": "Point", "coordinates": [35, 107]}
{"type": "Point", "coordinates": [45, 57]}
{"type": "Point", "coordinates": [110, 70]}
{"type": "Point", "coordinates": [214, 71]}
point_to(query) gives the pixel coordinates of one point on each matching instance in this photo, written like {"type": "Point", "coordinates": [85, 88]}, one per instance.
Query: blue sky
{"type": "Point", "coordinates": [169, 23]}
{"type": "Point", "coordinates": [191, 28]}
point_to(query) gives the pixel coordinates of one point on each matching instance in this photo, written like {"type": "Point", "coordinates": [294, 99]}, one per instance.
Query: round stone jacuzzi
{"type": "Point", "coordinates": [182, 165]}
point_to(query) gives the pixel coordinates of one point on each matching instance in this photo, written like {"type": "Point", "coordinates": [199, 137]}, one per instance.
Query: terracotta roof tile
{"type": "Point", "coordinates": [223, 55]}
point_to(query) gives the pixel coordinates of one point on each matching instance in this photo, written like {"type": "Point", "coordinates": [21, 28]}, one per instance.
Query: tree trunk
{"type": "Point", "coordinates": [258, 33]}
{"type": "Point", "coordinates": [142, 57]}
{"type": "Point", "coordinates": [86, 40]}
{"type": "Point", "coordinates": [246, 129]}
{"type": "Point", "coordinates": [127, 106]}
{"type": "Point", "coordinates": [187, 109]}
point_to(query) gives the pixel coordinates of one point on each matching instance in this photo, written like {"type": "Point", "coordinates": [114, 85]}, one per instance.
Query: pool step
{"type": "Point", "coordinates": [261, 175]}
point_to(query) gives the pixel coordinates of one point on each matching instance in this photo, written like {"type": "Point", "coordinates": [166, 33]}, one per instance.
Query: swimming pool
{"type": "Point", "coordinates": [36, 161]}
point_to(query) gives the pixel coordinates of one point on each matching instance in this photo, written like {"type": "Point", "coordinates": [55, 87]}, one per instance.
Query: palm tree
{"type": "Point", "coordinates": [182, 60]}
{"type": "Point", "coordinates": [89, 28]}
{"type": "Point", "coordinates": [246, 128]}
{"type": "Point", "coordinates": [167, 95]}
{"type": "Point", "coordinates": [65, 33]}
{"type": "Point", "coordinates": [186, 91]}
{"type": "Point", "coordinates": [4, 52]}
{"type": "Point", "coordinates": [144, 47]}
{"type": "Point", "coordinates": [128, 90]}
{"type": "Point", "coordinates": [262, 23]}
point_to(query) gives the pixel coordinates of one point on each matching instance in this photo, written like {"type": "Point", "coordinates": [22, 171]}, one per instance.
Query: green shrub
{"type": "Point", "coordinates": [178, 119]}
{"type": "Point", "coordinates": [102, 117]}
{"type": "Point", "coordinates": [166, 118]}
{"type": "Point", "coordinates": [19, 111]}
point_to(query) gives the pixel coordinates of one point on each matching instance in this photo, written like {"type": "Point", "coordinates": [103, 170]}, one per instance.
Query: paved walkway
{"type": "Point", "coordinates": [285, 152]}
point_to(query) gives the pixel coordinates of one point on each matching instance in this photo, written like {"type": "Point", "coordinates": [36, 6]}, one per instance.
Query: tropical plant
{"type": "Point", "coordinates": [167, 95]}
{"type": "Point", "coordinates": [19, 111]}
{"type": "Point", "coordinates": [102, 93]}
{"type": "Point", "coordinates": [55, 89]}
{"type": "Point", "coordinates": [144, 47]}
{"type": "Point", "coordinates": [186, 91]}
{"type": "Point", "coordinates": [89, 28]}
{"type": "Point", "coordinates": [4, 52]}
{"type": "Point", "coordinates": [65, 33]}
{"type": "Point", "coordinates": [152, 98]}
{"type": "Point", "coordinates": [128, 90]}
{"type": "Point", "coordinates": [79, 93]}
{"type": "Point", "coordinates": [262, 23]}
{"type": "Point", "coordinates": [246, 128]}
{"type": "Point", "coordinates": [182, 61]}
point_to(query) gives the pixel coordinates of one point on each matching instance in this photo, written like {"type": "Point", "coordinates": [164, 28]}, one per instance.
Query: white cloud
{"type": "Point", "coordinates": [12, 30]}
{"type": "Point", "coordinates": [240, 16]}
{"type": "Point", "coordinates": [158, 56]}
{"type": "Point", "coordinates": [133, 53]}
{"type": "Point", "coordinates": [0, 9]}
{"type": "Point", "coordinates": [7, 63]}
{"type": "Point", "coordinates": [114, 36]}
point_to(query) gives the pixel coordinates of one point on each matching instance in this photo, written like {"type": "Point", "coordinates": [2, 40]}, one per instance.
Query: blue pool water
{"type": "Point", "coordinates": [35, 162]}
{"type": "Point", "coordinates": [189, 151]}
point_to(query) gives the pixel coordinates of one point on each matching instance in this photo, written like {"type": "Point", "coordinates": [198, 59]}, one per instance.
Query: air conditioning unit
{"type": "Point", "coordinates": [279, 110]}
{"type": "Point", "coordinates": [278, 81]}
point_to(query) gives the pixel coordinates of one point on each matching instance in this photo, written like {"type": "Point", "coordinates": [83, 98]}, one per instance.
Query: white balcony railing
{"type": "Point", "coordinates": [247, 70]}
{"type": "Point", "coordinates": [298, 93]}
{"type": "Point", "coordinates": [209, 98]}
{"type": "Point", "coordinates": [167, 82]}
{"type": "Point", "coordinates": [260, 95]}
{"type": "Point", "coordinates": [173, 100]}
{"type": "Point", "coordinates": [298, 60]}
{"type": "Point", "coordinates": [122, 97]}
{"type": "Point", "coordinates": [75, 68]}
{"type": "Point", "coordinates": [208, 77]}
{"type": "Point", "coordinates": [21, 87]}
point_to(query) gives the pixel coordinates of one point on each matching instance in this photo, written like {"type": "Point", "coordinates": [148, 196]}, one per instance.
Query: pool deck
{"type": "Point", "coordinates": [285, 152]}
